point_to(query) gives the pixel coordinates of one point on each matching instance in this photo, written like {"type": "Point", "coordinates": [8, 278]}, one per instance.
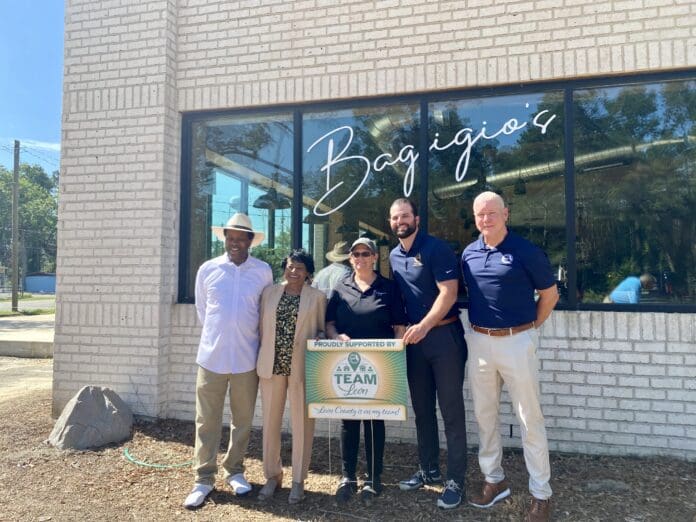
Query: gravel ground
{"type": "Point", "coordinates": [41, 483]}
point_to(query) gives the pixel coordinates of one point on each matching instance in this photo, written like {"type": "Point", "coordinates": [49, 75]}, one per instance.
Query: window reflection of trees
{"type": "Point", "coordinates": [241, 166]}
{"type": "Point", "coordinates": [526, 168]}
{"type": "Point", "coordinates": [634, 151]}
{"type": "Point", "coordinates": [375, 132]}
{"type": "Point", "coordinates": [635, 203]}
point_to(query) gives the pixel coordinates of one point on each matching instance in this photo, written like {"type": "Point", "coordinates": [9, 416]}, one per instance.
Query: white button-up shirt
{"type": "Point", "coordinates": [227, 302]}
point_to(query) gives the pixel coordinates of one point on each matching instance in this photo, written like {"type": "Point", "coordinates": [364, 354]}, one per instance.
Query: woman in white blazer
{"type": "Point", "coordinates": [291, 313]}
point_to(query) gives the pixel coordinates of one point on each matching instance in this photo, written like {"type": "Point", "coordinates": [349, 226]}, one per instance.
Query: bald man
{"type": "Point", "coordinates": [502, 271]}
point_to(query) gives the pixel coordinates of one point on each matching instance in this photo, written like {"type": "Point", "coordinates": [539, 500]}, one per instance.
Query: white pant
{"type": "Point", "coordinates": [513, 360]}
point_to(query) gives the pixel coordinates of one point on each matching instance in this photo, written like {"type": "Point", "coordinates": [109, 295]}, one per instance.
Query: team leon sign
{"type": "Point", "coordinates": [358, 379]}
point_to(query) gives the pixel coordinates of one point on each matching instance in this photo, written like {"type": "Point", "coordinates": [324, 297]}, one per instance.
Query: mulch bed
{"type": "Point", "coordinates": [41, 483]}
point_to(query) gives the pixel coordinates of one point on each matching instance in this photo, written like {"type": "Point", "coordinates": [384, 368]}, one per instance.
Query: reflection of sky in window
{"type": "Point", "coordinates": [274, 157]}
{"type": "Point", "coordinates": [227, 201]}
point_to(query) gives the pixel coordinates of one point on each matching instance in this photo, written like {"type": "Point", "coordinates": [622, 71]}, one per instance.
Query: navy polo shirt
{"type": "Point", "coordinates": [369, 314]}
{"type": "Point", "coordinates": [429, 261]}
{"type": "Point", "coordinates": [501, 281]}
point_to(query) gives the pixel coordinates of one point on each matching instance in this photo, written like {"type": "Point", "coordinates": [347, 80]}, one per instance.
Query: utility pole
{"type": "Point", "coordinates": [15, 230]}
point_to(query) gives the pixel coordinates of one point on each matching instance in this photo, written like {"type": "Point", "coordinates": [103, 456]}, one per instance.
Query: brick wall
{"type": "Point", "coordinates": [247, 53]}
{"type": "Point", "coordinates": [117, 229]}
{"type": "Point", "coordinates": [611, 382]}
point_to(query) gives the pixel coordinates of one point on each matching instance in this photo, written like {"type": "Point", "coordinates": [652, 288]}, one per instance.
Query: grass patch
{"type": "Point", "coordinates": [29, 297]}
{"type": "Point", "coordinates": [29, 311]}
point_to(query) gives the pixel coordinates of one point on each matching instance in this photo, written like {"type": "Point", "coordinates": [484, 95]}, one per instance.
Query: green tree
{"type": "Point", "coordinates": [38, 209]}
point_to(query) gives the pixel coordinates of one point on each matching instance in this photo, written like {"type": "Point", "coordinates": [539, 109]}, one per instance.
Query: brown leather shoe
{"type": "Point", "coordinates": [539, 510]}
{"type": "Point", "coordinates": [491, 494]}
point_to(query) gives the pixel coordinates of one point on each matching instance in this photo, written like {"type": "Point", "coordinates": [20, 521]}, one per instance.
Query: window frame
{"type": "Point", "coordinates": [424, 99]}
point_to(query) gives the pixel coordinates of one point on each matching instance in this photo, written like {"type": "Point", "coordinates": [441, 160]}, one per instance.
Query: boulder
{"type": "Point", "coordinates": [94, 417]}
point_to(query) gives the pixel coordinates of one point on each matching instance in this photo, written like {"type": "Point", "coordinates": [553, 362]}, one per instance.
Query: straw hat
{"type": "Point", "coordinates": [239, 222]}
{"type": "Point", "coordinates": [340, 252]}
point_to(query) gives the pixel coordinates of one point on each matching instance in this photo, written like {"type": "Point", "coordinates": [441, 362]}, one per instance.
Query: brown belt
{"type": "Point", "coordinates": [502, 332]}
{"type": "Point", "coordinates": [449, 320]}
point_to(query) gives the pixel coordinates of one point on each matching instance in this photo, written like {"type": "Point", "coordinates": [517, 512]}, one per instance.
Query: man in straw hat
{"type": "Point", "coordinates": [326, 279]}
{"type": "Point", "coordinates": [228, 293]}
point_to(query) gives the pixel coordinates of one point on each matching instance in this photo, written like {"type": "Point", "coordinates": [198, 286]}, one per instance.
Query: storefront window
{"type": "Point", "coordinates": [356, 162]}
{"type": "Point", "coordinates": [511, 145]}
{"type": "Point", "coordinates": [635, 165]}
{"type": "Point", "coordinates": [628, 197]}
{"type": "Point", "coordinates": [240, 165]}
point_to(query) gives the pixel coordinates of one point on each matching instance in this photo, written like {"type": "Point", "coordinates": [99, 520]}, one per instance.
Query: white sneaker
{"type": "Point", "coordinates": [239, 485]}
{"type": "Point", "coordinates": [197, 496]}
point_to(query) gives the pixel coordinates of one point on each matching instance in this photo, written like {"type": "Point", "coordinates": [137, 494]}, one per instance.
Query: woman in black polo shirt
{"type": "Point", "coordinates": [364, 305]}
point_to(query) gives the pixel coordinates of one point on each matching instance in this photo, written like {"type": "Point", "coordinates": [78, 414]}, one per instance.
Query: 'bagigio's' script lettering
{"type": "Point", "coordinates": [464, 140]}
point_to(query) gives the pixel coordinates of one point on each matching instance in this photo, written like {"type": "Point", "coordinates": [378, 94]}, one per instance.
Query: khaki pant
{"type": "Point", "coordinates": [513, 360]}
{"type": "Point", "coordinates": [211, 389]}
{"type": "Point", "coordinates": [273, 394]}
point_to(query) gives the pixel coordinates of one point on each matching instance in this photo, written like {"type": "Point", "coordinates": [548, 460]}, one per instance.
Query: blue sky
{"type": "Point", "coordinates": [31, 79]}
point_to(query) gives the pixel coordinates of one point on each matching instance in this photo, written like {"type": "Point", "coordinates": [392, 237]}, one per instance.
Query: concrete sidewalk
{"type": "Point", "coordinates": [27, 335]}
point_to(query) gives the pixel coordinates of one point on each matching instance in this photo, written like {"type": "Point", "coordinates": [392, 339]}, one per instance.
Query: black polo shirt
{"type": "Point", "coordinates": [417, 272]}
{"type": "Point", "coordinates": [366, 315]}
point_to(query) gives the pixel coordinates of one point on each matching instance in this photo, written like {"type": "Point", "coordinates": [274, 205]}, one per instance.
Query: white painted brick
{"type": "Point", "coordinates": [617, 345]}
{"type": "Point", "coordinates": [649, 393]}
{"type": "Point", "coordinates": [604, 380]}
{"type": "Point", "coordinates": [586, 413]}
{"type": "Point", "coordinates": [587, 367]}
{"type": "Point", "coordinates": [602, 357]}
{"type": "Point", "coordinates": [570, 378]}
{"type": "Point", "coordinates": [620, 415]}
{"type": "Point", "coordinates": [646, 369]}
{"type": "Point", "coordinates": [616, 391]}
{"type": "Point", "coordinates": [652, 441]}
{"type": "Point", "coordinates": [616, 438]}
{"type": "Point", "coordinates": [587, 436]}
{"type": "Point", "coordinates": [682, 395]}
{"type": "Point", "coordinates": [643, 358]}
{"type": "Point", "coordinates": [570, 400]}
{"type": "Point", "coordinates": [634, 404]}
{"type": "Point", "coordinates": [626, 369]}
{"type": "Point", "coordinates": [674, 383]}
{"type": "Point", "coordinates": [670, 406]}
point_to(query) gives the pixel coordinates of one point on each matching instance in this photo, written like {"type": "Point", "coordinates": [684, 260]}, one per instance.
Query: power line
{"type": "Point", "coordinates": [32, 152]}
{"type": "Point", "coordinates": [41, 157]}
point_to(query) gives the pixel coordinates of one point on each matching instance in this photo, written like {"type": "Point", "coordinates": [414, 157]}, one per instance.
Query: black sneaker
{"type": "Point", "coordinates": [346, 489]}
{"type": "Point", "coordinates": [451, 496]}
{"type": "Point", "coordinates": [370, 490]}
{"type": "Point", "coordinates": [419, 479]}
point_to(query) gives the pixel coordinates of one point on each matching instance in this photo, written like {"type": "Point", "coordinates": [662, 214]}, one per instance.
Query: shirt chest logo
{"type": "Point", "coordinates": [506, 259]}
{"type": "Point", "coordinates": [417, 261]}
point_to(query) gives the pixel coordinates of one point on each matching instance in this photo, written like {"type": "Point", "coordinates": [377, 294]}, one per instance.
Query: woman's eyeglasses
{"type": "Point", "coordinates": [364, 253]}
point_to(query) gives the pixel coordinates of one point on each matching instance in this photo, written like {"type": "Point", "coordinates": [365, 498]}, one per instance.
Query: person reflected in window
{"type": "Point", "coordinates": [291, 313]}
{"type": "Point", "coordinates": [628, 291]}
{"type": "Point", "coordinates": [364, 305]}
{"type": "Point", "coordinates": [327, 277]}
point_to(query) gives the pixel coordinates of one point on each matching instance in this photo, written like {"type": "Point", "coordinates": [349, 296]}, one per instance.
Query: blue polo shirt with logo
{"type": "Point", "coordinates": [501, 281]}
{"type": "Point", "coordinates": [417, 272]}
